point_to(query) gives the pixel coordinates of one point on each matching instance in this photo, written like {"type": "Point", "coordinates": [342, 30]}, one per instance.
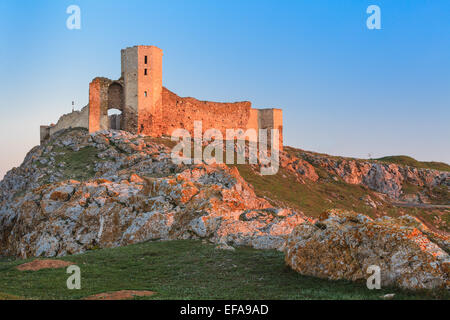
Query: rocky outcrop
{"type": "Point", "coordinates": [342, 245]}
{"type": "Point", "coordinates": [300, 168]}
{"type": "Point", "coordinates": [380, 177]}
{"type": "Point", "coordinates": [136, 194]}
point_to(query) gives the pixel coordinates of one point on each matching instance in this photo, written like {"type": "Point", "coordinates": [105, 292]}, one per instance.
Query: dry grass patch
{"type": "Point", "coordinates": [43, 264]}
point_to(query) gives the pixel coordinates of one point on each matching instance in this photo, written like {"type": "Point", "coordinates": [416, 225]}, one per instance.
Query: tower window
{"type": "Point", "coordinates": [145, 59]}
{"type": "Point", "coordinates": [145, 72]}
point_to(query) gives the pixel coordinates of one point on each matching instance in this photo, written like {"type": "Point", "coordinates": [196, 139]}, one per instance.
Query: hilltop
{"type": "Point", "coordinates": [80, 192]}
{"type": "Point", "coordinates": [411, 162]}
{"type": "Point", "coordinates": [307, 183]}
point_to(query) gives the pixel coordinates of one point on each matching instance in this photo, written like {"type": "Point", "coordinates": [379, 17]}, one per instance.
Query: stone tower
{"type": "Point", "coordinates": [148, 108]}
{"type": "Point", "coordinates": [142, 78]}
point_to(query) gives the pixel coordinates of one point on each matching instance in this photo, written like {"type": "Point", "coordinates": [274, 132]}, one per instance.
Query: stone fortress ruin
{"type": "Point", "coordinates": [148, 108]}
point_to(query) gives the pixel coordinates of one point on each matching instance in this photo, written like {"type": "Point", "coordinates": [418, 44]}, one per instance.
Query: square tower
{"type": "Point", "coordinates": [142, 76]}
{"type": "Point", "coordinates": [271, 119]}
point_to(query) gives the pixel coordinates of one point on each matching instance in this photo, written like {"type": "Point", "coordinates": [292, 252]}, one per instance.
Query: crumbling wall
{"type": "Point", "coordinates": [44, 132]}
{"type": "Point", "coordinates": [98, 103]}
{"type": "Point", "coordinates": [75, 119]}
{"type": "Point", "coordinates": [181, 112]}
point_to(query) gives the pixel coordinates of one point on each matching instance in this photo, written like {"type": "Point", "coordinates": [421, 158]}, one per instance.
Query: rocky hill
{"type": "Point", "coordinates": [391, 179]}
{"type": "Point", "coordinates": [127, 190]}
{"type": "Point", "coordinates": [314, 183]}
{"type": "Point", "coordinates": [83, 191]}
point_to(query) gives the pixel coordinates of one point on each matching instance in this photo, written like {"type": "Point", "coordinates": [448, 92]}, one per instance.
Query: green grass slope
{"type": "Point", "coordinates": [184, 270]}
{"type": "Point", "coordinates": [313, 198]}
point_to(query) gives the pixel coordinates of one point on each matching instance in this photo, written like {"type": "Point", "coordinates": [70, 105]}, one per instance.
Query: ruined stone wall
{"type": "Point", "coordinates": [98, 101]}
{"type": "Point", "coordinates": [75, 119]}
{"type": "Point", "coordinates": [105, 94]}
{"type": "Point", "coordinates": [181, 112]}
{"type": "Point", "coordinates": [44, 132]}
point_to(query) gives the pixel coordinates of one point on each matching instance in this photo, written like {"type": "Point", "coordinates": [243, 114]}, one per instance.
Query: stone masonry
{"type": "Point", "coordinates": [148, 108]}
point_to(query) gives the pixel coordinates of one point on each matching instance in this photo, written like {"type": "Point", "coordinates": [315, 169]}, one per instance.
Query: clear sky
{"type": "Point", "coordinates": [344, 89]}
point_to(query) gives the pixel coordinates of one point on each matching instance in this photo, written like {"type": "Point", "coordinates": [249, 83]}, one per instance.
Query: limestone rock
{"type": "Point", "coordinates": [342, 245]}
{"type": "Point", "coordinates": [385, 178]}
{"type": "Point", "coordinates": [299, 167]}
{"type": "Point", "coordinates": [136, 193]}
{"type": "Point", "coordinates": [224, 246]}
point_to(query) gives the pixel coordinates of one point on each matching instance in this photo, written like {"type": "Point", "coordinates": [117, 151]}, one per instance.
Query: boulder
{"type": "Point", "coordinates": [342, 245]}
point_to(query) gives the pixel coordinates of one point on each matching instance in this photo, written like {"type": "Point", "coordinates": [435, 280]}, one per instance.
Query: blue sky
{"type": "Point", "coordinates": [344, 89]}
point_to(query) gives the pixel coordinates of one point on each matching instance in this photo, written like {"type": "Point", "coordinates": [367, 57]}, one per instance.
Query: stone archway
{"type": "Point", "coordinates": [115, 96]}
{"type": "Point", "coordinates": [104, 95]}
{"type": "Point", "coordinates": [115, 102]}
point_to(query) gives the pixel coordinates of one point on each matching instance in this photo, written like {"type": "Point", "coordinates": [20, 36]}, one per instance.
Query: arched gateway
{"type": "Point", "coordinates": [105, 95]}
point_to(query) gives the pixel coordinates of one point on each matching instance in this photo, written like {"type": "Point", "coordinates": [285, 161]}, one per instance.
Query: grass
{"type": "Point", "coordinates": [400, 160]}
{"type": "Point", "coordinates": [408, 161]}
{"type": "Point", "coordinates": [439, 195]}
{"type": "Point", "coordinates": [429, 216]}
{"type": "Point", "coordinates": [185, 269]}
{"type": "Point", "coordinates": [78, 165]}
{"type": "Point", "coordinates": [312, 198]}
{"type": "Point", "coordinates": [5, 296]}
{"type": "Point", "coordinates": [409, 188]}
